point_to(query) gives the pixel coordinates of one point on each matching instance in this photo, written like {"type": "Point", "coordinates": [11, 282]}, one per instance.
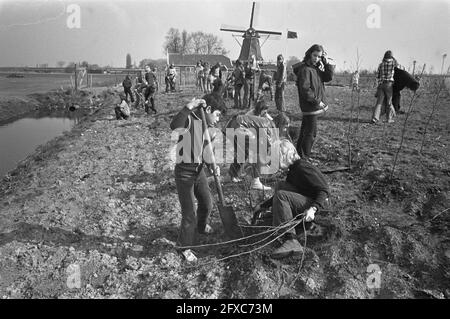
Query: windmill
{"type": "Point", "coordinates": [250, 43]}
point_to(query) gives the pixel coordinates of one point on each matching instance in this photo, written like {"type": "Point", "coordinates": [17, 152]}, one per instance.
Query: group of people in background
{"type": "Point", "coordinates": [244, 77]}
{"type": "Point", "coordinates": [206, 75]}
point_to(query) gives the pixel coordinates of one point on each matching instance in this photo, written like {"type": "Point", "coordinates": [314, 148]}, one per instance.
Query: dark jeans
{"type": "Point", "coordinates": [237, 96]}
{"type": "Point", "coordinates": [288, 203]}
{"type": "Point", "coordinates": [192, 184]}
{"type": "Point", "coordinates": [119, 114]}
{"type": "Point", "coordinates": [170, 84]}
{"type": "Point", "coordinates": [150, 96]}
{"type": "Point", "coordinates": [236, 167]}
{"type": "Point", "coordinates": [384, 91]}
{"type": "Point", "coordinates": [248, 92]}
{"type": "Point", "coordinates": [127, 92]}
{"type": "Point", "coordinates": [279, 97]}
{"type": "Point", "coordinates": [308, 132]}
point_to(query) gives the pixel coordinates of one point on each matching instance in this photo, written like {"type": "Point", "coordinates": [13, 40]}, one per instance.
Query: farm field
{"type": "Point", "coordinates": [95, 213]}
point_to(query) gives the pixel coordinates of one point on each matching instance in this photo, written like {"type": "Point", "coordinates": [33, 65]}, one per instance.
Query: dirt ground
{"type": "Point", "coordinates": [95, 213]}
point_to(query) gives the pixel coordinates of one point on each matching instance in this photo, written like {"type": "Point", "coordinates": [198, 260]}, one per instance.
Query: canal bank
{"type": "Point", "coordinates": [34, 121]}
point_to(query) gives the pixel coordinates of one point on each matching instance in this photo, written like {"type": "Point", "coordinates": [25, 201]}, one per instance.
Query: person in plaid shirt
{"type": "Point", "coordinates": [385, 82]}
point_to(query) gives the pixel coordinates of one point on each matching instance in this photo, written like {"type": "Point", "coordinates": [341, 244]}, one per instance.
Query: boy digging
{"type": "Point", "coordinates": [190, 178]}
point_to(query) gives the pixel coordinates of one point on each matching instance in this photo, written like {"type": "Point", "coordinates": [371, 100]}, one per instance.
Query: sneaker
{"type": "Point", "coordinates": [208, 230]}
{"type": "Point", "coordinates": [257, 185]}
{"type": "Point", "coordinates": [374, 121]}
{"type": "Point", "coordinates": [189, 256]}
{"type": "Point", "coordinates": [391, 121]}
{"type": "Point", "coordinates": [236, 180]}
{"type": "Point", "coordinates": [290, 247]}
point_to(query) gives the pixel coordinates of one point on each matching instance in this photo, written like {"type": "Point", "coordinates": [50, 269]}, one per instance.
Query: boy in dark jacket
{"type": "Point", "coordinates": [127, 84]}
{"type": "Point", "coordinates": [265, 84]}
{"type": "Point", "coordinates": [250, 70]}
{"type": "Point", "coordinates": [311, 76]}
{"type": "Point", "coordinates": [190, 178]}
{"type": "Point", "coordinates": [238, 77]}
{"type": "Point", "coordinates": [150, 90]}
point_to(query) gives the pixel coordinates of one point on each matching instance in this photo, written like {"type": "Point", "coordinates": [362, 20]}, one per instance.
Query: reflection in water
{"type": "Point", "coordinates": [20, 138]}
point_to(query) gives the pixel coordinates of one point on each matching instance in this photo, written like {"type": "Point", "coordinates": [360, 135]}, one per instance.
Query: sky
{"type": "Point", "coordinates": [36, 32]}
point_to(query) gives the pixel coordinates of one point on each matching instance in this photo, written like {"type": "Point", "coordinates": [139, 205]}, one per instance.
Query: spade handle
{"type": "Point", "coordinates": [213, 159]}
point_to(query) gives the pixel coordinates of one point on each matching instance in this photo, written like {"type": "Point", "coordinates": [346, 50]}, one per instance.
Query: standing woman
{"type": "Point", "coordinates": [312, 73]}
{"type": "Point", "coordinates": [199, 76]}
{"type": "Point", "coordinates": [280, 83]}
{"type": "Point", "coordinates": [238, 77]}
{"type": "Point", "coordinates": [385, 82]}
{"type": "Point", "coordinates": [206, 82]}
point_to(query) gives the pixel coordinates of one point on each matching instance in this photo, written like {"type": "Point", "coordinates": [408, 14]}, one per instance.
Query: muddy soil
{"type": "Point", "coordinates": [95, 213]}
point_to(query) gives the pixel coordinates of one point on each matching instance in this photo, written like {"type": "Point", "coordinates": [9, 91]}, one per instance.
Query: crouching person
{"type": "Point", "coordinates": [122, 110]}
{"type": "Point", "coordinates": [251, 133]}
{"type": "Point", "coordinates": [305, 190]}
{"type": "Point", "coordinates": [190, 178]}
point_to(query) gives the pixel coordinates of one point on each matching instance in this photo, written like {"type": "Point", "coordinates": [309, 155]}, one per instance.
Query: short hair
{"type": "Point", "coordinates": [215, 101]}
{"type": "Point", "coordinates": [217, 86]}
{"type": "Point", "coordinates": [260, 107]}
{"type": "Point", "coordinates": [388, 55]}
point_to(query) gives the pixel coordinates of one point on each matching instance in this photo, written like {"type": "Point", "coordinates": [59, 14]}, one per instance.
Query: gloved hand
{"type": "Point", "coordinates": [309, 214]}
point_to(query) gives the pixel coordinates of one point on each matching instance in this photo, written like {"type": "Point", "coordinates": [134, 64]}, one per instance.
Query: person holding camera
{"type": "Point", "coordinates": [312, 73]}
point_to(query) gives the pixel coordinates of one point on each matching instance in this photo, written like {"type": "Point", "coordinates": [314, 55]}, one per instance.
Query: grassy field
{"type": "Point", "coordinates": [100, 203]}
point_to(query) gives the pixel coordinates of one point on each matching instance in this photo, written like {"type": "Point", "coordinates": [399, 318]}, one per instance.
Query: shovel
{"type": "Point", "coordinates": [229, 220]}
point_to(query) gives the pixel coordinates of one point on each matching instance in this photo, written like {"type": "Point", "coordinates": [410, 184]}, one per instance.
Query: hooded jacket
{"type": "Point", "coordinates": [310, 84]}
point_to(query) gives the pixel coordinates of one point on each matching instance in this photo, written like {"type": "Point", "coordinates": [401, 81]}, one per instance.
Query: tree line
{"type": "Point", "coordinates": [197, 42]}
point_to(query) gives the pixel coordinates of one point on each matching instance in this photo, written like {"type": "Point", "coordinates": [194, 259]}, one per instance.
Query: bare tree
{"type": "Point", "coordinates": [173, 41]}
{"type": "Point", "coordinates": [439, 89]}
{"type": "Point", "coordinates": [350, 131]}
{"type": "Point", "coordinates": [408, 113]}
{"type": "Point", "coordinates": [60, 64]}
{"type": "Point", "coordinates": [214, 45]}
{"type": "Point", "coordinates": [197, 39]}
{"type": "Point", "coordinates": [195, 42]}
{"type": "Point", "coordinates": [185, 47]}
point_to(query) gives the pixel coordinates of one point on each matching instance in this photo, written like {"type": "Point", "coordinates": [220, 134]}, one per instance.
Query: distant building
{"type": "Point", "coordinates": [189, 61]}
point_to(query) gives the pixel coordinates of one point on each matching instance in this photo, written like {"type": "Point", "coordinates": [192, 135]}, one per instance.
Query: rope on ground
{"type": "Point", "coordinates": [235, 240]}
{"type": "Point", "coordinates": [246, 252]}
{"type": "Point", "coordinates": [265, 238]}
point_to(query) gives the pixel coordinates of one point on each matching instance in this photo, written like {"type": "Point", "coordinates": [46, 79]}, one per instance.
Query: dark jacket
{"type": "Point", "coordinates": [151, 79]}
{"type": "Point", "coordinates": [264, 78]}
{"type": "Point", "coordinates": [403, 79]}
{"type": "Point", "coordinates": [238, 75]}
{"type": "Point", "coordinates": [127, 82]}
{"type": "Point", "coordinates": [309, 182]}
{"type": "Point", "coordinates": [310, 83]}
{"type": "Point", "coordinates": [190, 126]}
